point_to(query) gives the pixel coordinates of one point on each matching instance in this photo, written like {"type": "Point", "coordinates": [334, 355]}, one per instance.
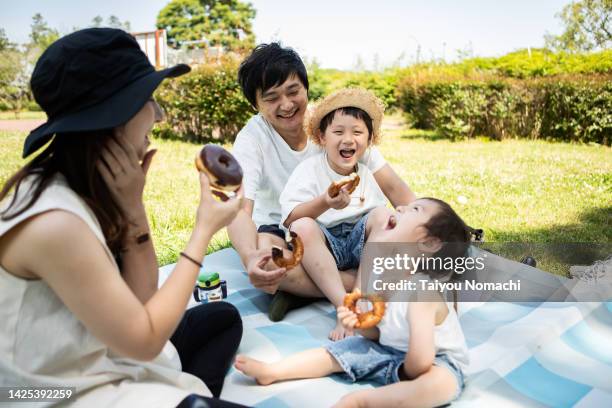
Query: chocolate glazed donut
{"type": "Point", "coordinates": [223, 170]}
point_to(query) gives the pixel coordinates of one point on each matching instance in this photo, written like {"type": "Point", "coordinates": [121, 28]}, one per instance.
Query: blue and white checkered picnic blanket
{"type": "Point", "coordinates": [533, 355]}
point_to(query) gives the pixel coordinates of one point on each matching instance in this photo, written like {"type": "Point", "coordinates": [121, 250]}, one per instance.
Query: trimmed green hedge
{"type": "Point", "coordinates": [539, 63]}
{"type": "Point", "coordinates": [382, 84]}
{"type": "Point", "coordinates": [570, 108]}
{"type": "Point", "coordinates": [204, 105]}
{"type": "Point", "coordinates": [498, 98]}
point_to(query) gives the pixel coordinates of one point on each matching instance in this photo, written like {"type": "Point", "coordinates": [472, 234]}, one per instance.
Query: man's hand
{"type": "Point", "coordinates": [265, 280]}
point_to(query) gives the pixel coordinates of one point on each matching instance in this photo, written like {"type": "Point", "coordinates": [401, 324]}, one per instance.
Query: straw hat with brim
{"type": "Point", "coordinates": [92, 79]}
{"type": "Point", "coordinates": [344, 98]}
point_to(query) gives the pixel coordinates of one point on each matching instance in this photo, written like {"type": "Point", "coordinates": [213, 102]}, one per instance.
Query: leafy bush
{"type": "Point", "coordinates": [325, 81]}
{"type": "Point", "coordinates": [33, 107]}
{"type": "Point", "coordinates": [566, 108]}
{"type": "Point", "coordinates": [520, 64]}
{"type": "Point", "coordinates": [14, 90]}
{"type": "Point", "coordinates": [382, 85]}
{"type": "Point", "coordinates": [204, 105]}
{"type": "Point", "coordinates": [319, 81]}
{"type": "Point", "coordinates": [578, 111]}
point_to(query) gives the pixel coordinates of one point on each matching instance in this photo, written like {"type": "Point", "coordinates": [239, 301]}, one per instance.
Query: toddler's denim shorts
{"type": "Point", "coordinates": [367, 360]}
{"type": "Point", "coordinates": [346, 241]}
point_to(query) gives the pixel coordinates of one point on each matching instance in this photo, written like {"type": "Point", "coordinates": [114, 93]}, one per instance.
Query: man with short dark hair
{"type": "Point", "coordinates": [269, 147]}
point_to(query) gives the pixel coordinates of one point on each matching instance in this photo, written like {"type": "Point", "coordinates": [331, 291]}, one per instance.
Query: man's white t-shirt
{"type": "Point", "coordinates": [313, 176]}
{"type": "Point", "coordinates": [267, 162]}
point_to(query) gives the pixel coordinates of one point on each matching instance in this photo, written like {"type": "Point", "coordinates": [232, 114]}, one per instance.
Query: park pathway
{"type": "Point", "coordinates": [24, 125]}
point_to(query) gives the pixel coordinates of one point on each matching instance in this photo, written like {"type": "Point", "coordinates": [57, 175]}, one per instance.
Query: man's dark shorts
{"type": "Point", "coordinates": [273, 229]}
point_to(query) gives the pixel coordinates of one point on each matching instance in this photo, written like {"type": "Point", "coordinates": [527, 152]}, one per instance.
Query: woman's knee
{"type": "Point", "coordinates": [219, 313]}
{"type": "Point", "coordinates": [229, 313]}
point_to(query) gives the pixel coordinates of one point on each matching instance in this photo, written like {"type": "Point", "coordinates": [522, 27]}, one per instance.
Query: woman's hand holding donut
{"type": "Point", "coordinates": [212, 215]}
{"type": "Point", "coordinates": [124, 175]}
{"type": "Point", "coordinates": [342, 200]}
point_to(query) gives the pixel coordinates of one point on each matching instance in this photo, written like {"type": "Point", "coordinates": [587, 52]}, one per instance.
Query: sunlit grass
{"type": "Point", "coordinates": [516, 190]}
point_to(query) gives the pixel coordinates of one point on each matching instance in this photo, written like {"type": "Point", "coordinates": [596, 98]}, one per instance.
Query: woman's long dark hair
{"type": "Point", "coordinates": [74, 155]}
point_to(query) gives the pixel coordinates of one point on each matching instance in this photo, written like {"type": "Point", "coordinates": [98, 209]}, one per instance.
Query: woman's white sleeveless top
{"type": "Point", "coordinates": [43, 344]}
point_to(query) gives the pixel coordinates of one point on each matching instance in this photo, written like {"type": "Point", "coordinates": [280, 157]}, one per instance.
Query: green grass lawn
{"type": "Point", "coordinates": [516, 190]}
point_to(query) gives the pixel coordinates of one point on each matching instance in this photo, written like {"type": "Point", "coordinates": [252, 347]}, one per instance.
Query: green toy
{"type": "Point", "coordinates": [209, 288]}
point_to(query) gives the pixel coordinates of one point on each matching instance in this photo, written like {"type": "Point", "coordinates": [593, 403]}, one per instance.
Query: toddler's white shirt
{"type": "Point", "coordinates": [268, 161]}
{"type": "Point", "coordinates": [313, 176]}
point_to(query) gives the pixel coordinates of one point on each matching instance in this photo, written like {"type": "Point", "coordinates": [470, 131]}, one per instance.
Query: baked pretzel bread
{"type": "Point", "coordinates": [368, 319]}
{"type": "Point", "coordinates": [296, 256]}
{"type": "Point", "coordinates": [351, 181]}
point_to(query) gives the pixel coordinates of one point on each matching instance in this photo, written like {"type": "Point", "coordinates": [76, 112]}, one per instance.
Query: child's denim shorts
{"type": "Point", "coordinates": [364, 359]}
{"type": "Point", "coordinates": [345, 241]}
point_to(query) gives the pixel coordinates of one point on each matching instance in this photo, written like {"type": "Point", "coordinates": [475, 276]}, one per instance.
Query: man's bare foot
{"type": "Point", "coordinates": [259, 370]}
{"type": "Point", "coordinates": [340, 332]}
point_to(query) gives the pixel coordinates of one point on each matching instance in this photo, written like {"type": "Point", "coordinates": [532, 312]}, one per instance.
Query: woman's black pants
{"type": "Point", "coordinates": [206, 340]}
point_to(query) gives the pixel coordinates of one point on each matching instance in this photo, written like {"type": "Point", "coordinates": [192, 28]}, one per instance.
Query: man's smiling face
{"type": "Point", "coordinates": [284, 105]}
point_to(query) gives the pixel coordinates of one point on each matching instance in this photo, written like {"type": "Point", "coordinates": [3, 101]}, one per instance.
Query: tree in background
{"type": "Point", "coordinates": [226, 23]}
{"type": "Point", "coordinates": [113, 22]}
{"type": "Point", "coordinates": [588, 26]}
{"type": "Point", "coordinates": [41, 35]}
{"type": "Point", "coordinates": [4, 41]}
{"type": "Point", "coordinates": [17, 64]}
{"type": "Point", "coordinates": [97, 21]}
{"type": "Point", "coordinates": [13, 76]}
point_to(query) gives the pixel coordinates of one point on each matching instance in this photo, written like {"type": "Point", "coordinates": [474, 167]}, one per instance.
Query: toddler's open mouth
{"type": "Point", "coordinates": [347, 153]}
{"type": "Point", "coordinates": [391, 223]}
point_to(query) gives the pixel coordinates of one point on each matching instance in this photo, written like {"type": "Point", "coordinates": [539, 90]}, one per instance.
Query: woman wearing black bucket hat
{"type": "Point", "coordinates": [78, 274]}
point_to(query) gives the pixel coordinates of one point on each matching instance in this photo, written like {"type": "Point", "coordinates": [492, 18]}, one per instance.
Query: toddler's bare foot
{"type": "Point", "coordinates": [262, 372]}
{"type": "Point", "coordinates": [340, 332]}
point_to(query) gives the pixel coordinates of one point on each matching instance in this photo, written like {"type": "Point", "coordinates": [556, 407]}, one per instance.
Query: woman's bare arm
{"type": "Point", "coordinates": [79, 271]}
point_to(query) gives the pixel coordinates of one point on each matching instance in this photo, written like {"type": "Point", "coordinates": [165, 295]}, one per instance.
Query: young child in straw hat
{"type": "Point", "coordinates": [345, 123]}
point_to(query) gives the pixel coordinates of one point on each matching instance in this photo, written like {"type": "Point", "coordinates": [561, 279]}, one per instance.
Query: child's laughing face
{"type": "Point", "coordinates": [345, 140]}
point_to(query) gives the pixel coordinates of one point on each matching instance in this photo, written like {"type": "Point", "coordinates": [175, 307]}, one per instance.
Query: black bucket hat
{"type": "Point", "coordinates": [92, 79]}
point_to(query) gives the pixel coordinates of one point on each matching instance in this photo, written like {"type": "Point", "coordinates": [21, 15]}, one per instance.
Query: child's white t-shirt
{"type": "Point", "coordinates": [313, 176]}
{"type": "Point", "coordinates": [267, 162]}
